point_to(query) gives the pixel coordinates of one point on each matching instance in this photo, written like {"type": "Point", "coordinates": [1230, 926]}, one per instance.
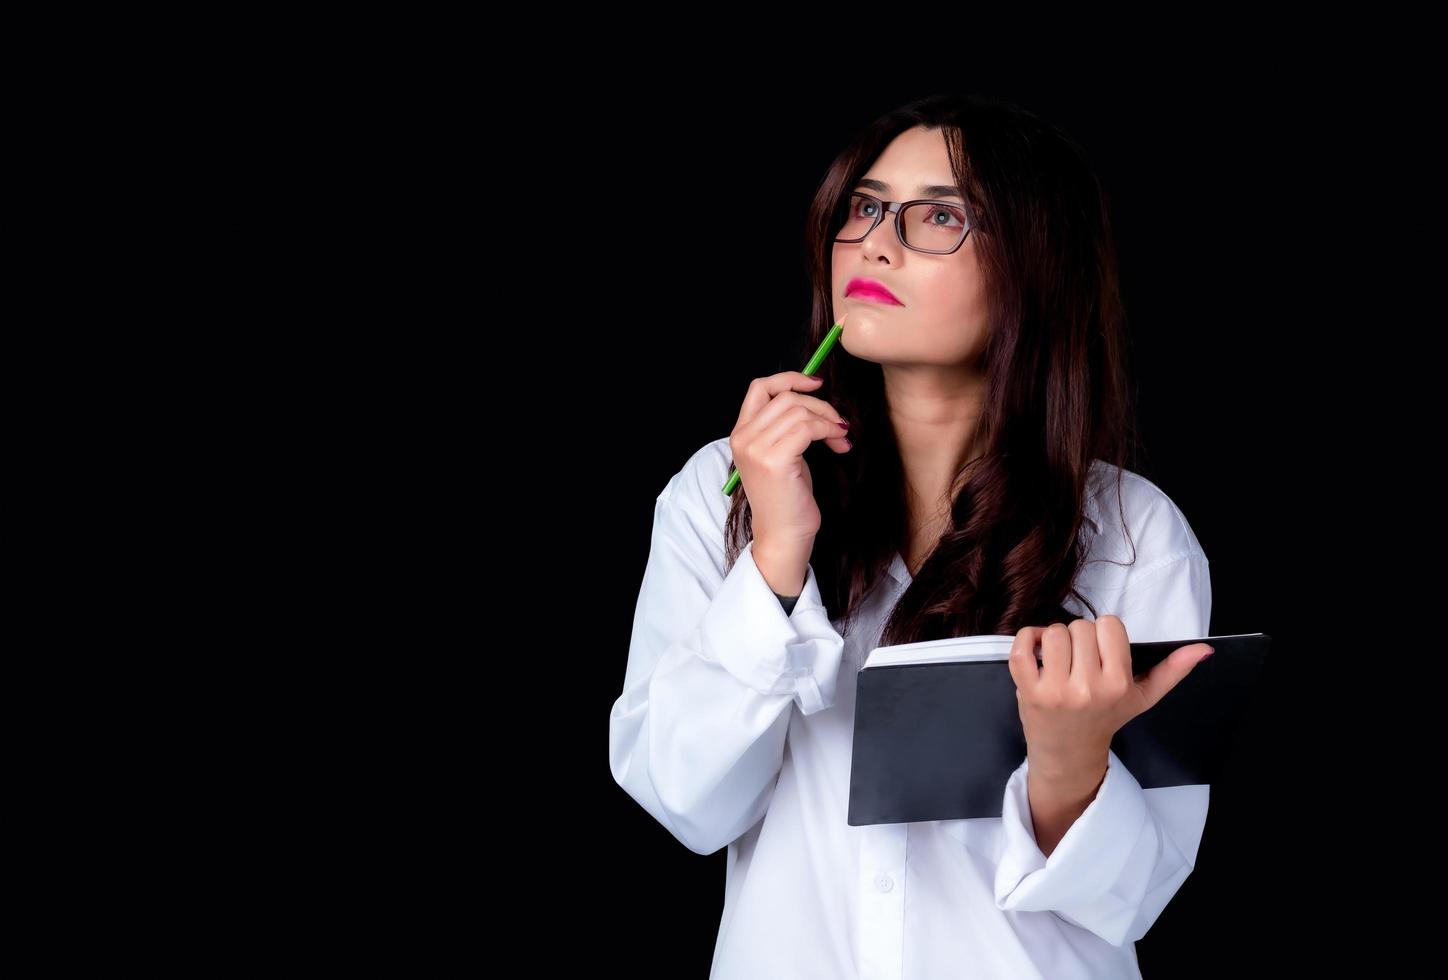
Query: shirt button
{"type": "Point", "coordinates": [884, 883]}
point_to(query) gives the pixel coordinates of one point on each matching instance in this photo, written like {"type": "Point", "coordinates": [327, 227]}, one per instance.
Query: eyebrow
{"type": "Point", "coordinates": [928, 190]}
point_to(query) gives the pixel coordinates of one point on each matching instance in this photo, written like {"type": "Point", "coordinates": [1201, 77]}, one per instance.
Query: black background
{"type": "Point", "coordinates": [392, 367]}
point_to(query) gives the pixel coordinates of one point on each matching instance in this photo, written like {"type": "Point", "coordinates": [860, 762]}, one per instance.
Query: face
{"type": "Point", "coordinates": [942, 321]}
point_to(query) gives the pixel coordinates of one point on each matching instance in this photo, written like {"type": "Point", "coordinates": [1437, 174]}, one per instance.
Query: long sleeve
{"type": "Point", "coordinates": [714, 667]}
{"type": "Point", "coordinates": [1128, 853]}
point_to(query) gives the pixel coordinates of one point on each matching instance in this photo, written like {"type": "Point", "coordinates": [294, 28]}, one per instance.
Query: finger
{"type": "Point", "coordinates": [1022, 660]}
{"type": "Point", "coordinates": [819, 405]}
{"type": "Point", "coordinates": [792, 399]}
{"type": "Point", "coordinates": [797, 428]}
{"type": "Point", "coordinates": [1167, 674]}
{"type": "Point", "coordinates": [1114, 647]}
{"type": "Point", "coordinates": [1085, 657]}
{"type": "Point", "coordinates": [1056, 655]}
{"type": "Point", "coordinates": [764, 427]}
{"type": "Point", "coordinates": [762, 391]}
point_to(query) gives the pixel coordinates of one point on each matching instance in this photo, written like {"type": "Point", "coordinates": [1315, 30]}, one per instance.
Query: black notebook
{"type": "Point", "coordinates": [938, 728]}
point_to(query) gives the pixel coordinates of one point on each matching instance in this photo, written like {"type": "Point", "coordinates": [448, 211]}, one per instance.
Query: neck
{"type": "Point", "coordinates": [934, 414]}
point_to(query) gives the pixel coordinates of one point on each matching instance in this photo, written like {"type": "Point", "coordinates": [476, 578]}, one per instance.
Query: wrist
{"type": "Point", "coordinates": [783, 568]}
{"type": "Point", "coordinates": [1069, 777]}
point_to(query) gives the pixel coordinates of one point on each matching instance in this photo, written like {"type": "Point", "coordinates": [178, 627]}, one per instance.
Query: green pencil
{"type": "Point", "coordinates": [821, 352]}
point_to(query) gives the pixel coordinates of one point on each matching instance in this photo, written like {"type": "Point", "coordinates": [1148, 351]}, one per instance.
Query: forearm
{"type": "Point", "coordinates": [1056, 801]}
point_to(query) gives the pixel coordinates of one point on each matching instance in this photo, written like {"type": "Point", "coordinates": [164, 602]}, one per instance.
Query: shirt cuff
{"type": "Point", "coordinates": [1088, 862]}
{"type": "Point", "coordinates": [747, 632]}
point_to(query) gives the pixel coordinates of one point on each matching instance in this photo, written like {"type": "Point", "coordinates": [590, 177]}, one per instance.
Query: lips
{"type": "Point", "coordinates": [870, 289]}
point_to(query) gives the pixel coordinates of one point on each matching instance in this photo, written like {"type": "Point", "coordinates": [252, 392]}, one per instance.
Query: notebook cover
{"type": "Point", "coordinates": [939, 741]}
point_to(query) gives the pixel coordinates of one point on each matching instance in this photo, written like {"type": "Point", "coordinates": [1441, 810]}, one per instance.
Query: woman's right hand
{"type": "Point", "coordinates": [776, 425]}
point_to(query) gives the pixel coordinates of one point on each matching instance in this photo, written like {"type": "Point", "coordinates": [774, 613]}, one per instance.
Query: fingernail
{"type": "Point", "coordinates": [1210, 651]}
{"type": "Point", "coordinates": [843, 425]}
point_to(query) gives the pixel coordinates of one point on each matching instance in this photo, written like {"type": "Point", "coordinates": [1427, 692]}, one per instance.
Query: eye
{"type": "Point", "coordinates": [944, 217]}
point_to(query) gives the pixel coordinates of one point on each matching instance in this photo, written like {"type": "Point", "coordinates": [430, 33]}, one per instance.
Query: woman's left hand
{"type": "Point", "coordinates": [1084, 691]}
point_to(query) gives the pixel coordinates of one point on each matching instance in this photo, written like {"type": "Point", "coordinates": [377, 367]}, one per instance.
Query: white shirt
{"type": "Point", "coordinates": [735, 725]}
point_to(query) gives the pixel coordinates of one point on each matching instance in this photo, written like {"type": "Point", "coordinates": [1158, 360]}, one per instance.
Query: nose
{"type": "Point", "coordinates": [884, 236]}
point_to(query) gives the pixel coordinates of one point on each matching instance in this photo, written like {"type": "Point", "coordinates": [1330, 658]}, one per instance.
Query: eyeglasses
{"type": "Point", "coordinates": [918, 223]}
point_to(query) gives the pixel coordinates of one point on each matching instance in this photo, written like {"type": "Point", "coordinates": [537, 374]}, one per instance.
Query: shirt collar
{"type": "Point", "coordinates": [898, 571]}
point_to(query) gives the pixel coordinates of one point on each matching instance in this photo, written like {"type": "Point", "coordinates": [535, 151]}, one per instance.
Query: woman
{"type": "Point", "coordinates": [958, 467]}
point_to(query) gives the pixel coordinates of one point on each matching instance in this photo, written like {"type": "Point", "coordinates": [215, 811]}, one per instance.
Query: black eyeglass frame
{"type": "Point", "coordinates": [897, 208]}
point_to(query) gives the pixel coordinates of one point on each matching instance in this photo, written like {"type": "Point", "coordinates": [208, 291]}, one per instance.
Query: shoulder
{"type": "Point", "coordinates": [696, 491]}
{"type": "Point", "coordinates": [1134, 523]}
{"type": "Point", "coordinates": [707, 468]}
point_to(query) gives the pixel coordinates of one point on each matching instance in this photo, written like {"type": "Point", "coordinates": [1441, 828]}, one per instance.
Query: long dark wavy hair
{"type": "Point", "coordinates": [1057, 393]}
